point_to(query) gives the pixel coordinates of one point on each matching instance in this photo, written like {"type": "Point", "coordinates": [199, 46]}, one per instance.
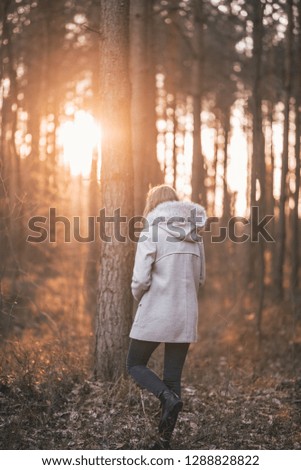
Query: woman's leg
{"type": "Point", "coordinates": [174, 359]}
{"type": "Point", "coordinates": [137, 359]}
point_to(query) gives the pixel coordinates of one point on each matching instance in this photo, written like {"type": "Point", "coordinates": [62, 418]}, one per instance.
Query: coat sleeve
{"type": "Point", "coordinates": [203, 264]}
{"type": "Point", "coordinates": [144, 259]}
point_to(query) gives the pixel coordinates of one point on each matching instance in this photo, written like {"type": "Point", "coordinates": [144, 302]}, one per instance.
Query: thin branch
{"type": "Point", "coordinates": [86, 27]}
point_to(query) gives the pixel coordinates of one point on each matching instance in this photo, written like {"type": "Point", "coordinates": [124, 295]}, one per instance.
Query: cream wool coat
{"type": "Point", "coordinates": [169, 267]}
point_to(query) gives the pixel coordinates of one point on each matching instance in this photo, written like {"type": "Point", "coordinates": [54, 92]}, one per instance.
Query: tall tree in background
{"type": "Point", "coordinates": [173, 71]}
{"type": "Point", "coordinates": [198, 166]}
{"type": "Point", "coordinates": [258, 174]}
{"type": "Point", "coordinates": [4, 209]}
{"type": "Point", "coordinates": [281, 231]}
{"type": "Point", "coordinates": [114, 313]}
{"type": "Point", "coordinates": [139, 109]}
{"type": "Point", "coordinates": [155, 174]}
{"type": "Point", "coordinates": [9, 160]}
{"type": "Point", "coordinates": [295, 219]}
{"type": "Point", "coordinates": [146, 166]}
{"type": "Point", "coordinates": [258, 157]}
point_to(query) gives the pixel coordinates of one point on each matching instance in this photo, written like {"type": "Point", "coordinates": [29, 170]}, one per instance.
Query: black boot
{"type": "Point", "coordinates": [160, 444]}
{"type": "Point", "coordinates": [171, 405]}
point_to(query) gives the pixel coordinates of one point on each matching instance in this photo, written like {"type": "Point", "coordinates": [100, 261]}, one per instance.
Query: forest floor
{"type": "Point", "coordinates": [238, 393]}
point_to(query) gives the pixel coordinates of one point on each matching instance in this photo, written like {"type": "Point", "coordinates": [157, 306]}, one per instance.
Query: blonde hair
{"type": "Point", "coordinates": [157, 195]}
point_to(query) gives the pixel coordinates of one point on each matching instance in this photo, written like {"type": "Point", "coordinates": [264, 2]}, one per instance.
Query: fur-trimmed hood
{"type": "Point", "coordinates": [180, 219]}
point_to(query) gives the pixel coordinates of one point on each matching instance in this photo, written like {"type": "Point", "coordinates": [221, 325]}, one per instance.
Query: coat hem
{"type": "Point", "coordinates": [165, 340]}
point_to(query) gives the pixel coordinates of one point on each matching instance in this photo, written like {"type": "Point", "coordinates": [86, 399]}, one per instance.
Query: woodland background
{"type": "Point", "coordinates": [99, 100]}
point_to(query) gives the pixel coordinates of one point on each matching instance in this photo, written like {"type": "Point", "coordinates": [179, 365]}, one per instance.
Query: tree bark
{"type": "Point", "coordinates": [270, 200]}
{"type": "Point", "coordinates": [281, 231]}
{"type": "Point", "coordinates": [226, 195]}
{"type": "Point", "coordinates": [4, 154]}
{"type": "Point", "coordinates": [258, 161]}
{"type": "Point", "coordinates": [144, 134]}
{"type": "Point", "coordinates": [139, 108]}
{"type": "Point", "coordinates": [9, 161]}
{"type": "Point", "coordinates": [174, 144]}
{"type": "Point", "coordinates": [114, 309]}
{"type": "Point", "coordinates": [295, 212]}
{"type": "Point", "coordinates": [155, 174]}
{"type": "Point", "coordinates": [91, 270]}
{"type": "Point", "coordinates": [198, 167]}
{"type": "Point", "coordinates": [258, 175]}
{"type": "Point", "coordinates": [215, 163]}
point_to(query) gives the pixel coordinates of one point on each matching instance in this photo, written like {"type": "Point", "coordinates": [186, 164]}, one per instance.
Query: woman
{"type": "Point", "coordinates": [169, 267]}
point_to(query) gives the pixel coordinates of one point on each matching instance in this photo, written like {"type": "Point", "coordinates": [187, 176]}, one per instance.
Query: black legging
{"type": "Point", "coordinates": [174, 358]}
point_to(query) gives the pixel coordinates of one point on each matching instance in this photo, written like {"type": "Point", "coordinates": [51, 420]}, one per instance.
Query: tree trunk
{"type": "Point", "coordinates": [270, 200]}
{"type": "Point", "coordinates": [226, 195]}
{"type": "Point", "coordinates": [144, 135]}
{"type": "Point", "coordinates": [92, 267]}
{"type": "Point", "coordinates": [198, 167]}
{"type": "Point", "coordinates": [114, 309]}
{"type": "Point", "coordinates": [91, 270]}
{"type": "Point", "coordinates": [52, 37]}
{"type": "Point", "coordinates": [258, 163]}
{"type": "Point", "coordinates": [4, 154]}
{"type": "Point", "coordinates": [174, 144]}
{"type": "Point", "coordinates": [295, 217]}
{"type": "Point", "coordinates": [281, 232]}
{"type": "Point", "coordinates": [34, 106]}
{"type": "Point", "coordinates": [257, 250]}
{"type": "Point", "coordinates": [155, 174]}
{"type": "Point", "coordinates": [215, 163]}
{"type": "Point", "coordinates": [9, 163]}
{"type": "Point", "coordinates": [139, 108]}
{"type": "Point", "coordinates": [295, 212]}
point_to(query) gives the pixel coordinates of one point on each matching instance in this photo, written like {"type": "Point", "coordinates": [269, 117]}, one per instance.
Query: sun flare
{"type": "Point", "coordinates": [79, 138]}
